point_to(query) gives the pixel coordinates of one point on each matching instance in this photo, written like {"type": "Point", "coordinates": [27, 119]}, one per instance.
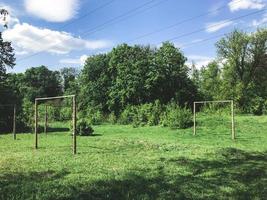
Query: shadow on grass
{"type": "Point", "coordinates": [234, 174]}
{"type": "Point", "coordinates": [26, 185]}
{"type": "Point", "coordinates": [57, 129]}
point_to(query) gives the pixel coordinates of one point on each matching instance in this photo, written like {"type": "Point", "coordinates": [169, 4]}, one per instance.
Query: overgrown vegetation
{"type": "Point", "coordinates": [141, 85]}
{"type": "Point", "coordinates": [84, 128]}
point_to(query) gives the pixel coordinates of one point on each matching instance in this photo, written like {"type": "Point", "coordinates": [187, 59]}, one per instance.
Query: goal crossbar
{"type": "Point", "coordinates": [74, 118]}
{"type": "Point", "coordinates": [222, 101]}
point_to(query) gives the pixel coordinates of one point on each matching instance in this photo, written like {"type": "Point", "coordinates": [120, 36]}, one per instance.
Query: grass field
{"type": "Point", "coordinates": [121, 162]}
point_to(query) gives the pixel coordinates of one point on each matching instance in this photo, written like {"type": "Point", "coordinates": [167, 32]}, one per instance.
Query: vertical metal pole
{"type": "Point", "coordinates": [36, 124]}
{"type": "Point", "coordinates": [194, 119]}
{"type": "Point", "coordinates": [45, 125]}
{"type": "Point", "coordinates": [14, 123]}
{"type": "Point", "coordinates": [74, 124]}
{"type": "Point", "coordinates": [233, 119]}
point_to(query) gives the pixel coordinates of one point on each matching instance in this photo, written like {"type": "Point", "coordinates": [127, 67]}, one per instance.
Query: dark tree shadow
{"type": "Point", "coordinates": [234, 174]}
{"type": "Point", "coordinates": [57, 129]}
{"type": "Point", "coordinates": [25, 185]}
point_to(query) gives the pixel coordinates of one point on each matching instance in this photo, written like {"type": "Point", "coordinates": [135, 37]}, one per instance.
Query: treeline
{"type": "Point", "coordinates": [144, 85]}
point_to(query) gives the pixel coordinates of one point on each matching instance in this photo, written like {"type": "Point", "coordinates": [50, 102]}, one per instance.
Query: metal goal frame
{"type": "Point", "coordinates": [74, 118]}
{"type": "Point", "coordinates": [222, 101]}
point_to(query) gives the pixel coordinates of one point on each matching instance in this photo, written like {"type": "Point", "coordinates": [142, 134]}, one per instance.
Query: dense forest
{"type": "Point", "coordinates": [142, 85]}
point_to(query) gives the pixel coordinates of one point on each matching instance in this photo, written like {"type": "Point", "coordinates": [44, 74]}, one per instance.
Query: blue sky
{"type": "Point", "coordinates": [60, 33]}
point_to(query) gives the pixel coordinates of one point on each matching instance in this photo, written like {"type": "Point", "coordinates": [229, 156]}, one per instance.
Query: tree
{"type": "Point", "coordinates": [195, 74]}
{"type": "Point", "coordinates": [168, 76]}
{"type": "Point", "coordinates": [244, 71]}
{"type": "Point", "coordinates": [7, 60]}
{"type": "Point", "coordinates": [41, 82]}
{"type": "Point", "coordinates": [95, 81]}
{"type": "Point", "coordinates": [129, 66]}
{"type": "Point", "coordinates": [7, 57]}
{"type": "Point", "coordinates": [69, 75]}
{"type": "Point", "coordinates": [210, 81]}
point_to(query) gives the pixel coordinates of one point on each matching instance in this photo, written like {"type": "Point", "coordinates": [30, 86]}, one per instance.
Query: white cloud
{"type": "Point", "coordinates": [236, 5]}
{"type": "Point", "coordinates": [215, 8]}
{"type": "Point", "coordinates": [79, 61]}
{"type": "Point", "coordinates": [198, 60]}
{"type": "Point", "coordinates": [83, 58]}
{"type": "Point", "coordinates": [52, 10]}
{"type": "Point", "coordinates": [216, 26]}
{"type": "Point", "coordinates": [28, 38]}
{"type": "Point", "coordinates": [261, 21]}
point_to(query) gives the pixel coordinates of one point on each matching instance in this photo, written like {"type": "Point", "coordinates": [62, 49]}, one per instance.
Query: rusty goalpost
{"type": "Point", "coordinates": [74, 118]}
{"type": "Point", "coordinates": [231, 102]}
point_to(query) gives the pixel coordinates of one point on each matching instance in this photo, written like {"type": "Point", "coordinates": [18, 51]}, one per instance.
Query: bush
{"type": "Point", "coordinates": [257, 106]}
{"type": "Point", "coordinates": [219, 109]}
{"type": "Point", "coordinates": [112, 118]}
{"type": "Point", "coordinates": [84, 128]}
{"type": "Point", "coordinates": [94, 116]}
{"type": "Point", "coordinates": [141, 115]}
{"type": "Point", "coordinates": [128, 115]}
{"type": "Point", "coordinates": [155, 113]}
{"type": "Point", "coordinates": [177, 117]}
{"type": "Point", "coordinates": [265, 108]}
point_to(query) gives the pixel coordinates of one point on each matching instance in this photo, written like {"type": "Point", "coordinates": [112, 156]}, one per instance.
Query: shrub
{"type": "Point", "coordinates": [112, 118]}
{"type": "Point", "coordinates": [84, 128]}
{"type": "Point", "coordinates": [177, 117]}
{"type": "Point", "coordinates": [155, 113]}
{"type": "Point", "coordinates": [65, 113]}
{"type": "Point", "coordinates": [257, 106]}
{"type": "Point", "coordinates": [94, 116]}
{"type": "Point", "coordinates": [218, 109]}
{"type": "Point", "coordinates": [142, 116]}
{"type": "Point", "coordinates": [265, 108]}
{"type": "Point", "coordinates": [128, 114]}
{"type": "Point", "coordinates": [27, 115]}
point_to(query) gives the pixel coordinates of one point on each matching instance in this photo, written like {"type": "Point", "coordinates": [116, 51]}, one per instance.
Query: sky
{"type": "Point", "coordinates": [63, 33]}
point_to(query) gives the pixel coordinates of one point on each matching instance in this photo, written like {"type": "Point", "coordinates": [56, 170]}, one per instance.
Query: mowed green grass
{"type": "Point", "coordinates": [122, 162]}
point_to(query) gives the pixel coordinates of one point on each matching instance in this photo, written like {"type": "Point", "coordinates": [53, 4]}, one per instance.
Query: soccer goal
{"type": "Point", "coordinates": [230, 102]}
{"type": "Point", "coordinates": [74, 117]}
{"type": "Point", "coordinates": [8, 114]}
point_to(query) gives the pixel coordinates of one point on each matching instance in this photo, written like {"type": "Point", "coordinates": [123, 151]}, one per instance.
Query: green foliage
{"type": "Point", "coordinates": [244, 71]}
{"type": "Point", "coordinates": [68, 77]}
{"type": "Point", "coordinates": [28, 113]}
{"type": "Point", "coordinates": [153, 114]}
{"type": "Point", "coordinates": [41, 82]}
{"type": "Point", "coordinates": [66, 113]}
{"type": "Point", "coordinates": [215, 109]}
{"type": "Point", "coordinates": [177, 117]}
{"type": "Point", "coordinates": [148, 114]}
{"type": "Point", "coordinates": [94, 116]}
{"type": "Point", "coordinates": [141, 115]}
{"type": "Point", "coordinates": [135, 75]}
{"type": "Point", "coordinates": [112, 118]}
{"type": "Point", "coordinates": [128, 66]}
{"type": "Point", "coordinates": [128, 115]}
{"type": "Point", "coordinates": [84, 128]}
{"type": "Point", "coordinates": [210, 81]}
{"type": "Point", "coordinates": [95, 81]}
{"type": "Point", "coordinates": [257, 106]}
{"type": "Point", "coordinates": [7, 57]}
